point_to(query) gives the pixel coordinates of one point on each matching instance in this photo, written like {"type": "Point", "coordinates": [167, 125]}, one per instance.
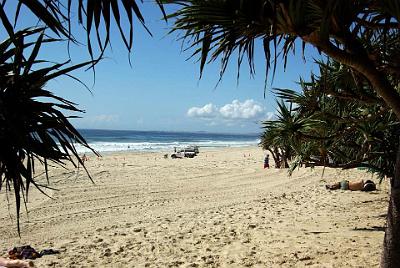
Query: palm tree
{"type": "Point", "coordinates": [283, 134]}
{"type": "Point", "coordinates": [333, 129]}
{"type": "Point", "coordinates": [33, 127]}
{"type": "Point", "coordinates": [94, 17]}
{"type": "Point", "coordinates": [362, 35]}
{"type": "Point", "coordinates": [267, 142]}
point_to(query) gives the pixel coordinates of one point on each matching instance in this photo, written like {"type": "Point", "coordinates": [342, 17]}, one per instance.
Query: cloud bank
{"type": "Point", "coordinates": [235, 111]}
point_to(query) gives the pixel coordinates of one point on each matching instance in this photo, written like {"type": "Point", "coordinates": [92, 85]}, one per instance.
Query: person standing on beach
{"type": "Point", "coordinates": [266, 161]}
{"type": "Point", "coordinates": [84, 158]}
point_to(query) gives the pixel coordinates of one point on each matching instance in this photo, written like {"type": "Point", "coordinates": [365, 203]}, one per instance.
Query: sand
{"type": "Point", "coordinates": [219, 209]}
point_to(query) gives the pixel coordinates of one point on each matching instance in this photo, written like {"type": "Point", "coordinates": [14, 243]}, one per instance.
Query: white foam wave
{"type": "Point", "coordinates": [149, 146]}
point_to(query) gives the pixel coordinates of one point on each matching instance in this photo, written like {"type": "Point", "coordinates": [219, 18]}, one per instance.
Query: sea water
{"type": "Point", "coordinates": [129, 140]}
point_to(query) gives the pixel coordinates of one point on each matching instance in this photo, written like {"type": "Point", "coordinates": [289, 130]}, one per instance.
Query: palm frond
{"type": "Point", "coordinates": [336, 123]}
{"type": "Point", "coordinates": [355, 33]}
{"type": "Point", "coordinates": [33, 127]}
{"type": "Point", "coordinates": [93, 15]}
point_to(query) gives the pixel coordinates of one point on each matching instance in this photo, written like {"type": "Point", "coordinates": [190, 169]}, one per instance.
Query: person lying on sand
{"type": "Point", "coordinates": [14, 263]}
{"type": "Point", "coordinates": [361, 185]}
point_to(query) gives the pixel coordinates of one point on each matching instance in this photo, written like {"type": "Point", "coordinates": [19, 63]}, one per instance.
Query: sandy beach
{"type": "Point", "coordinates": [219, 209]}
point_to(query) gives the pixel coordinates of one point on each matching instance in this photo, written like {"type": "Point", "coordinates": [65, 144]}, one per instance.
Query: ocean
{"type": "Point", "coordinates": [141, 141]}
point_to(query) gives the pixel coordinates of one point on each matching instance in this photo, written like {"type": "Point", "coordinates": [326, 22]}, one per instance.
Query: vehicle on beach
{"type": "Point", "coordinates": [179, 155]}
{"type": "Point", "coordinates": [194, 149]}
{"type": "Point", "coordinates": [189, 152]}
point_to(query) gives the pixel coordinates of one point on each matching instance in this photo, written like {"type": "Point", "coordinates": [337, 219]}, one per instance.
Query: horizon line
{"type": "Point", "coordinates": [173, 131]}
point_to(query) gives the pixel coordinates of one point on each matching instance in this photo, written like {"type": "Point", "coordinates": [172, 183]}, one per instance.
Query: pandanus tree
{"type": "Point", "coordinates": [280, 133]}
{"type": "Point", "coordinates": [340, 130]}
{"type": "Point", "coordinates": [34, 129]}
{"type": "Point", "coordinates": [65, 18]}
{"type": "Point", "coordinates": [363, 35]}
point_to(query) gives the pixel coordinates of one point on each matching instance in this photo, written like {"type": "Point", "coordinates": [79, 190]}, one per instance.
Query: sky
{"type": "Point", "coordinates": [161, 89]}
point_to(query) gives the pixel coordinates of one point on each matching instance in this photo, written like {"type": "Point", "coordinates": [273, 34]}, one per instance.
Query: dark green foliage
{"type": "Point", "coordinates": [33, 128]}
{"type": "Point", "coordinates": [336, 122]}
{"type": "Point", "coordinates": [95, 16]}
{"type": "Point", "coordinates": [218, 27]}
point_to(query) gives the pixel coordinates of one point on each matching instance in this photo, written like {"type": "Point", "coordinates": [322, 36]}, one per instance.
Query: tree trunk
{"type": "Point", "coordinates": [278, 157]}
{"type": "Point", "coordinates": [276, 160]}
{"type": "Point", "coordinates": [284, 163]}
{"type": "Point", "coordinates": [391, 244]}
{"type": "Point", "coordinates": [286, 157]}
{"type": "Point", "coordinates": [363, 65]}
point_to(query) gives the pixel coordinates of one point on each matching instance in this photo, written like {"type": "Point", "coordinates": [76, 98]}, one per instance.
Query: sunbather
{"type": "Point", "coordinates": [361, 185]}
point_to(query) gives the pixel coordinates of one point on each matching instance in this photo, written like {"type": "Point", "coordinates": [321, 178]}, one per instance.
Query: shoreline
{"type": "Point", "coordinates": [112, 140]}
{"type": "Point", "coordinates": [201, 148]}
{"type": "Point", "coordinates": [219, 209]}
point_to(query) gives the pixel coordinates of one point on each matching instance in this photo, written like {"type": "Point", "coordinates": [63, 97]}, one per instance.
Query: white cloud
{"type": "Point", "coordinates": [248, 109]}
{"type": "Point", "coordinates": [230, 114]}
{"type": "Point", "coordinates": [207, 111]}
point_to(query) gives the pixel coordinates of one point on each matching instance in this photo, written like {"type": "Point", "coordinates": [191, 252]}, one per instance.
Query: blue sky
{"type": "Point", "coordinates": [162, 90]}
